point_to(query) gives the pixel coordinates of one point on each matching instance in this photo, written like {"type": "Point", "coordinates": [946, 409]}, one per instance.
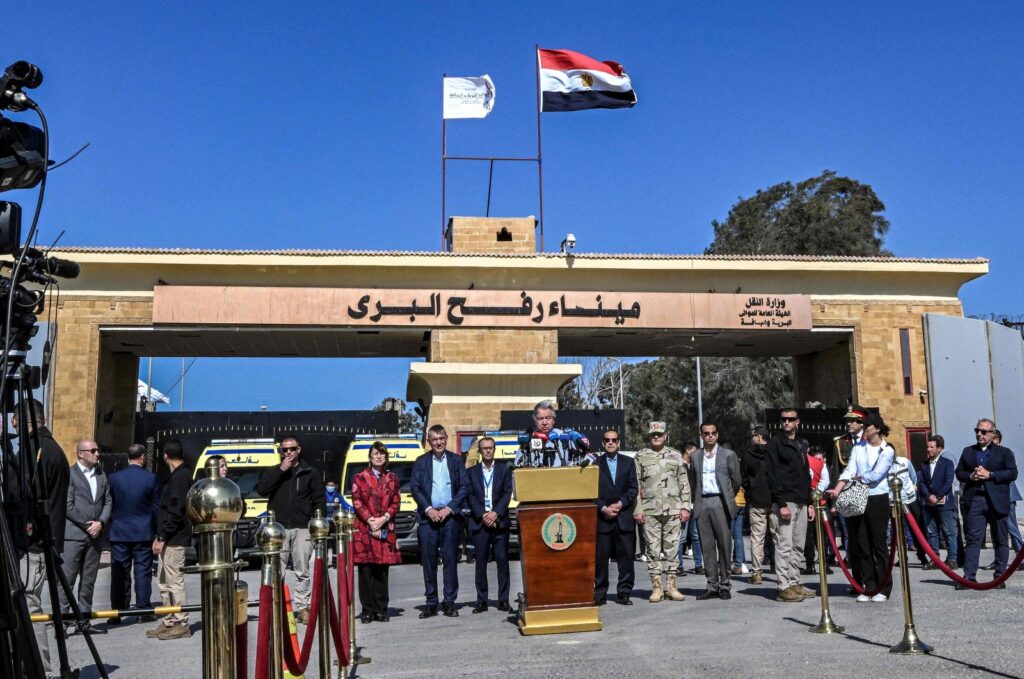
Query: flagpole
{"type": "Point", "coordinates": [540, 168]}
{"type": "Point", "coordinates": [444, 161]}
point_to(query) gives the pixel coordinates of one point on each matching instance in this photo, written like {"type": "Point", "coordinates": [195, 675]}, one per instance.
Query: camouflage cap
{"type": "Point", "coordinates": [656, 428]}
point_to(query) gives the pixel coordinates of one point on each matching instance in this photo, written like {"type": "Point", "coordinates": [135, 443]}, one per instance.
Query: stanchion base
{"type": "Point", "coordinates": [911, 644]}
{"type": "Point", "coordinates": [826, 626]}
{"type": "Point", "coordinates": [361, 659]}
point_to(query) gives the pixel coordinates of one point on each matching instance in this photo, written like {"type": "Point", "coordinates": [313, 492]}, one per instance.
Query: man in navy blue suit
{"type": "Point", "coordinates": [136, 495]}
{"type": "Point", "coordinates": [935, 492]}
{"type": "Point", "coordinates": [490, 491]}
{"type": "Point", "coordinates": [439, 486]}
{"type": "Point", "coordinates": [617, 489]}
{"type": "Point", "coordinates": [985, 471]}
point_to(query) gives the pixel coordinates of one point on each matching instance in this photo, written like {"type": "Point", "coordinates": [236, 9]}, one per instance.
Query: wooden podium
{"type": "Point", "coordinates": [557, 549]}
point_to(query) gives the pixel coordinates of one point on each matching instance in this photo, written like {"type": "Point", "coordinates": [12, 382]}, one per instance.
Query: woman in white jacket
{"type": "Point", "coordinates": [870, 461]}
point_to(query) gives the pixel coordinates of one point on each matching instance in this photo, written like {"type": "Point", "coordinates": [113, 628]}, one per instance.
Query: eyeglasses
{"type": "Point", "coordinates": [983, 431]}
{"type": "Point", "coordinates": [608, 440]}
{"type": "Point", "coordinates": [709, 433]}
{"type": "Point", "coordinates": [789, 419]}
{"type": "Point", "coordinates": [290, 449]}
{"type": "Point", "coordinates": [89, 450]}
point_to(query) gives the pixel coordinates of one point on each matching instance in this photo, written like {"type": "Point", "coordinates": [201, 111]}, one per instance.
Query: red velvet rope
{"type": "Point", "coordinates": [297, 666]}
{"type": "Point", "coordinates": [242, 649]}
{"type": "Point", "coordinates": [846, 571]}
{"type": "Point", "coordinates": [263, 633]}
{"type": "Point", "coordinates": [345, 601]}
{"type": "Point", "coordinates": [953, 575]}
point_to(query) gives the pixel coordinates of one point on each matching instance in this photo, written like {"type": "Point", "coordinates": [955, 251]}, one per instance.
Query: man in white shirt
{"type": "Point", "coordinates": [717, 478]}
{"type": "Point", "coordinates": [88, 515]}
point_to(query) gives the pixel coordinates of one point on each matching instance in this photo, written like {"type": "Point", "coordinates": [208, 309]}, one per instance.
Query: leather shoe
{"type": "Point", "coordinates": [428, 612]}
{"type": "Point", "coordinates": [699, 570]}
{"type": "Point", "coordinates": [448, 610]}
{"type": "Point", "coordinates": [504, 607]}
{"type": "Point", "coordinates": [724, 594]}
{"type": "Point", "coordinates": [623, 600]}
{"type": "Point", "coordinates": [929, 566]}
{"type": "Point", "coordinates": [88, 628]}
{"type": "Point", "coordinates": [600, 600]}
{"type": "Point", "coordinates": [382, 617]}
{"type": "Point", "coordinates": [1001, 585]}
{"type": "Point", "coordinates": [481, 607]}
{"type": "Point", "coordinates": [366, 618]}
{"type": "Point", "coordinates": [960, 586]}
{"type": "Point", "coordinates": [708, 594]}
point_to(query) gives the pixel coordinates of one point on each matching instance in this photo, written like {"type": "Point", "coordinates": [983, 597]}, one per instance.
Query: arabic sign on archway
{"type": "Point", "coordinates": [217, 305]}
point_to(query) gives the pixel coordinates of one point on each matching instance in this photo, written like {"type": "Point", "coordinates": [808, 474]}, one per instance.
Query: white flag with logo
{"type": "Point", "coordinates": [468, 97]}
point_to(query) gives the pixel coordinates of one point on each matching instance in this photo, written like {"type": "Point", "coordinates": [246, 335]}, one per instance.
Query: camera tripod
{"type": "Point", "coordinates": [18, 648]}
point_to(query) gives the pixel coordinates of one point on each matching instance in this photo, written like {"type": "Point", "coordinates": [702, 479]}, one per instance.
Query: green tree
{"type": "Point", "coordinates": [824, 215]}
{"type": "Point", "coordinates": [408, 421]}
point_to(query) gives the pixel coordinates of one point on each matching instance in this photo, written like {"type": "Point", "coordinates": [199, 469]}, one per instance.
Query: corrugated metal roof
{"type": "Point", "coordinates": [68, 249]}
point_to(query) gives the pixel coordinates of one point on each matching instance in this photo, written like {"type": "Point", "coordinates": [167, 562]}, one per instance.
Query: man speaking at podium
{"type": "Point", "coordinates": [617, 489]}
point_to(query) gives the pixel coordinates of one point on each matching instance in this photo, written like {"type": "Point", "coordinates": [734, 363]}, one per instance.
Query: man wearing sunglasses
{"type": "Point", "coordinates": [616, 496]}
{"type": "Point", "coordinates": [789, 478]}
{"type": "Point", "coordinates": [717, 477]}
{"type": "Point", "coordinates": [985, 471]}
{"type": "Point", "coordinates": [294, 491]}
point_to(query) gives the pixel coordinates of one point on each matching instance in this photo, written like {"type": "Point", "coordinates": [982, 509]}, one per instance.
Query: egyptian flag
{"type": "Point", "coordinates": [570, 81]}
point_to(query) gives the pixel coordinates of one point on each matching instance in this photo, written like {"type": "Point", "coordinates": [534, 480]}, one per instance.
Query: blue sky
{"type": "Point", "coordinates": [272, 125]}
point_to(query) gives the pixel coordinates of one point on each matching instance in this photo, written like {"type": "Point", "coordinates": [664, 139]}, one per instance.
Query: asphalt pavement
{"type": "Point", "coordinates": [974, 634]}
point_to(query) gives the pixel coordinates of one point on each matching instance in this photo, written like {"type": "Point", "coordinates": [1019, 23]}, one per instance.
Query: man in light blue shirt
{"type": "Point", "coordinates": [439, 485]}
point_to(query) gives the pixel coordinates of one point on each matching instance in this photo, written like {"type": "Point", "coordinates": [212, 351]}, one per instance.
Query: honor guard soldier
{"type": "Point", "coordinates": [664, 505]}
{"type": "Point", "coordinates": [842, 445]}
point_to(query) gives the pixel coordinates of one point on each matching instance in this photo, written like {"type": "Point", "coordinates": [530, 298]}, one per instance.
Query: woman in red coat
{"type": "Point", "coordinates": [375, 496]}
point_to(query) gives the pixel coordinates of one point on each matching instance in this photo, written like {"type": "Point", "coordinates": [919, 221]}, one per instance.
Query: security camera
{"type": "Point", "coordinates": [569, 243]}
{"type": "Point", "coordinates": [922, 392]}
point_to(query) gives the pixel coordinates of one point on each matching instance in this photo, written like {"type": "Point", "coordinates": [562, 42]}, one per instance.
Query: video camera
{"type": "Point", "coordinates": [23, 148]}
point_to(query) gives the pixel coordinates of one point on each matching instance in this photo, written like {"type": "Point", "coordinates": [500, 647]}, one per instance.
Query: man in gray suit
{"type": "Point", "coordinates": [89, 507]}
{"type": "Point", "coordinates": [716, 480]}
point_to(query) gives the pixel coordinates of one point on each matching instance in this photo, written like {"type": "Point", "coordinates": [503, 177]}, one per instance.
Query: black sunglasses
{"type": "Point", "coordinates": [976, 431]}
{"type": "Point", "coordinates": [608, 440]}
{"type": "Point", "coordinates": [855, 420]}
{"type": "Point", "coordinates": [290, 449]}
{"type": "Point", "coordinates": [89, 450]}
{"type": "Point", "coordinates": [789, 419]}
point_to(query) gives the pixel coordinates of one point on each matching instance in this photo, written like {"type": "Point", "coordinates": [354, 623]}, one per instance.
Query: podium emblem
{"type": "Point", "coordinates": [558, 531]}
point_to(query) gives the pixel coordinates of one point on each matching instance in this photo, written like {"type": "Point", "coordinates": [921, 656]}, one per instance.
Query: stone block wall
{"type": "Point", "coordinates": [481, 345]}
{"type": "Point", "coordinates": [481, 235]}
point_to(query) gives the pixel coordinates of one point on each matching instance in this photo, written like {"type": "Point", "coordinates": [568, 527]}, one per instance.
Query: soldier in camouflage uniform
{"type": "Point", "coordinates": [663, 504]}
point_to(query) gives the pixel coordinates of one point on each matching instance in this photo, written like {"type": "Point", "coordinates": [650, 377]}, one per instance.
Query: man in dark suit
{"type": "Point", "coordinates": [88, 514]}
{"type": "Point", "coordinates": [490, 490]}
{"type": "Point", "coordinates": [617, 489]}
{"type": "Point", "coordinates": [439, 486]}
{"type": "Point", "coordinates": [717, 477]}
{"type": "Point", "coordinates": [136, 497]}
{"type": "Point", "coordinates": [935, 492]}
{"type": "Point", "coordinates": [985, 471]}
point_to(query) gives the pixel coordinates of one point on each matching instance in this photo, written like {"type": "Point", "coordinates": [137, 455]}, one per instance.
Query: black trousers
{"type": "Point", "coordinates": [484, 540]}
{"type": "Point", "coordinates": [623, 540]}
{"type": "Point", "coordinates": [373, 588]}
{"type": "Point", "coordinates": [869, 531]}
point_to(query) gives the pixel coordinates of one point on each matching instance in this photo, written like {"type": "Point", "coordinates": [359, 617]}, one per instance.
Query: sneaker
{"type": "Point", "coordinates": [879, 598]}
{"type": "Point", "coordinates": [863, 598]}
{"type": "Point", "coordinates": [735, 570]}
{"type": "Point", "coordinates": [179, 631]}
{"type": "Point", "coordinates": [154, 632]}
{"type": "Point", "coordinates": [744, 569]}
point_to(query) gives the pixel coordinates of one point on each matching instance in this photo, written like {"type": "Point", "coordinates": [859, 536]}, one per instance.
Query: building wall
{"type": "Point", "coordinates": [481, 234]}
{"type": "Point", "coordinates": [876, 360]}
{"type": "Point", "coordinates": [93, 388]}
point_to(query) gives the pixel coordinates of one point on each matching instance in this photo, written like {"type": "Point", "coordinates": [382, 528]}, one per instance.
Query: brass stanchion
{"type": "Point", "coordinates": [270, 537]}
{"type": "Point", "coordinates": [213, 505]}
{"type": "Point", "coordinates": [825, 625]}
{"type": "Point", "coordinates": [349, 527]}
{"type": "Point", "coordinates": [911, 643]}
{"type": "Point", "coordinates": [341, 551]}
{"type": "Point", "coordinates": [319, 532]}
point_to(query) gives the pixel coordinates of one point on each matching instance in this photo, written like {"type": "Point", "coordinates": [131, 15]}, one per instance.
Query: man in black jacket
{"type": "Point", "coordinates": [759, 498]}
{"type": "Point", "coordinates": [789, 478]}
{"type": "Point", "coordinates": [173, 534]}
{"type": "Point", "coordinates": [294, 490]}
{"type": "Point", "coordinates": [55, 476]}
{"type": "Point", "coordinates": [617, 488]}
